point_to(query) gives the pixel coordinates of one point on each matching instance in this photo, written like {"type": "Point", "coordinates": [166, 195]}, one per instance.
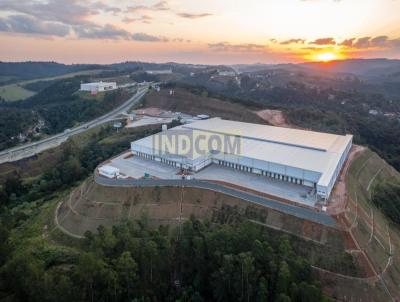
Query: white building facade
{"type": "Point", "coordinates": [98, 86]}
{"type": "Point", "coordinates": [302, 157]}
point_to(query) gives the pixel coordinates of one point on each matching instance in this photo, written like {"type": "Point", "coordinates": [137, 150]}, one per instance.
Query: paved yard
{"type": "Point", "coordinates": [258, 183]}
{"type": "Point", "coordinates": [136, 167]}
{"type": "Point", "coordinates": [148, 120]}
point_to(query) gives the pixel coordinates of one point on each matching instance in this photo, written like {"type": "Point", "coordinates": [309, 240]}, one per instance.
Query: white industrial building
{"type": "Point", "coordinates": [109, 171]}
{"type": "Point", "coordinates": [307, 158]}
{"type": "Point", "coordinates": [98, 86]}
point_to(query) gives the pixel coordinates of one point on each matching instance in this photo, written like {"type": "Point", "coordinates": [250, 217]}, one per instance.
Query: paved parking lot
{"type": "Point", "coordinates": [148, 120]}
{"type": "Point", "coordinates": [258, 183]}
{"type": "Point", "coordinates": [136, 167]}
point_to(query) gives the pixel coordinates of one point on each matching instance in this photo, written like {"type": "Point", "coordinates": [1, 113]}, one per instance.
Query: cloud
{"type": "Point", "coordinates": [106, 8]}
{"type": "Point", "coordinates": [107, 31]}
{"type": "Point", "coordinates": [148, 38]}
{"type": "Point", "coordinates": [324, 41]}
{"type": "Point", "coordinates": [31, 25]}
{"type": "Point", "coordinates": [162, 5]}
{"type": "Point", "coordinates": [159, 6]}
{"type": "Point", "coordinates": [143, 19]}
{"type": "Point", "coordinates": [70, 18]}
{"type": "Point", "coordinates": [69, 12]}
{"type": "Point", "coordinates": [347, 42]}
{"type": "Point", "coordinates": [379, 41]}
{"type": "Point", "coordinates": [362, 42]}
{"type": "Point", "coordinates": [245, 47]}
{"type": "Point", "coordinates": [193, 16]}
{"type": "Point", "coordinates": [293, 41]}
{"type": "Point", "coordinates": [370, 42]}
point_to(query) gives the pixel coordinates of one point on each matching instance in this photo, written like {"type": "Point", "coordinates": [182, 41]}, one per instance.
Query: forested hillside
{"type": "Point", "coordinates": [204, 262]}
{"type": "Point", "coordinates": [32, 70]}
{"type": "Point", "coordinates": [59, 106]}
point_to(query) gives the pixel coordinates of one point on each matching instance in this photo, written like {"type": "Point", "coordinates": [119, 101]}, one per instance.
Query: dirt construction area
{"type": "Point", "coordinates": [193, 104]}
{"type": "Point", "coordinates": [275, 118]}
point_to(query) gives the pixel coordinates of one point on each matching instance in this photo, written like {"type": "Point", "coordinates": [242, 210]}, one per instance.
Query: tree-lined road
{"type": "Point", "coordinates": [24, 151]}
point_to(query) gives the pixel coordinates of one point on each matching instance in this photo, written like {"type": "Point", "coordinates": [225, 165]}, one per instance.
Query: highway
{"type": "Point", "coordinates": [27, 150]}
{"type": "Point", "coordinates": [300, 212]}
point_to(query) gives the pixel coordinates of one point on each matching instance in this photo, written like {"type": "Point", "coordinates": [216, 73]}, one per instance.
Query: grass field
{"type": "Point", "coordinates": [7, 79]}
{"type": "Point", "coordinates": [15, 91]}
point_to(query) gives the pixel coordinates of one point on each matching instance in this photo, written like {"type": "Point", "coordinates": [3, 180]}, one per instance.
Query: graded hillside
{"type": "Point", "coordinates": [357, 263]}
{"type": "Point", "coordinates": [92, 205]}
{"type": "Point", "coordinates": [377, 238]}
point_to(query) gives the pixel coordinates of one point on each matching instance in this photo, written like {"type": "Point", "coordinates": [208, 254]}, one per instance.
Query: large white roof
{"type": "Point", "coordinates": [308, 150]}
{"type": "Point", "coordinates": [277, 135]}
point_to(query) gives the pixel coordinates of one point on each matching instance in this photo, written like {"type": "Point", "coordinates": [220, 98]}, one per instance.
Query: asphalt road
{"type": "Point", "coordinates": [300, 212]}
{"type": "Point", "coordinates": [31, 149]}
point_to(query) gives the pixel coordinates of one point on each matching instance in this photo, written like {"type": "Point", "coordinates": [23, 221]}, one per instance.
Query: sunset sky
{"type": "Point", "coordinates": [198, 31]}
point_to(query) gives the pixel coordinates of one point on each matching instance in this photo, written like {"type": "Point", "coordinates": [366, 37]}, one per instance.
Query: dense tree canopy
{"type": "Point", "coordinates": [197, 262]}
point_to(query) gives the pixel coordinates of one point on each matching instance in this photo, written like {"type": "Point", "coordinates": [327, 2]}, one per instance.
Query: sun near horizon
{"type": "Point", "coordinates": [204, 32]}
{"type": "Point", "coordinates": [326, 57]}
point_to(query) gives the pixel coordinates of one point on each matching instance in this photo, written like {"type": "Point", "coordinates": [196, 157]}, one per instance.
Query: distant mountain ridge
{"type": "Point", "coordinates": [363, 67]}
{"type": "Point", "coordinates": [368, 68]}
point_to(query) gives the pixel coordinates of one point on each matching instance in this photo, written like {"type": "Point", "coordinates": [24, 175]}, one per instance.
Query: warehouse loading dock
{"type": "Point", "coordinates": [311, 159]}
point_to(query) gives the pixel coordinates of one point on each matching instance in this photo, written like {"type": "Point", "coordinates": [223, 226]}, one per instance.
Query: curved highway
{"type": "Point", "coordinates": [300, 212]}
{"type": "Point", "coordinates": [31, 149]}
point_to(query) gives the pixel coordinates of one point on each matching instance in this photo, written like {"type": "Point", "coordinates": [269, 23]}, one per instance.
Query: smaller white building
{"type": "Point", "coordinates": [109, 171]}
{"type": "Point", "coordinates": [226, 73]}
{"type": "Point", "coordinates": [203, 116]}
{"type": "Point", "coordinates": [161, 71]}
{"type": "Point", "coordinates": [98, 86]}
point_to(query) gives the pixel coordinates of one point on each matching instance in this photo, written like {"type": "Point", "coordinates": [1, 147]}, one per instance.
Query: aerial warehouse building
{"type": "Point", "coordinates": [306, 158]}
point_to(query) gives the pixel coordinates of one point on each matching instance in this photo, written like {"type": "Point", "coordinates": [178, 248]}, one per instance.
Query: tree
{"type": "Point", "coordinates": [151, 253]}
{"type": "Point", "coordinates": [283, 278]}
{"type": "Point", "coordinates": [283, 298]}
{"type": "Point", "coordinates": [262, 294]}
{"type": "Point", "coordinates": [70, 171]}
{"type": "Point", "coordinates": [224, 279]}
{"type": "Point", "coordinates": [126, 269]}
{"type": "Point", "coordinates": [13, 184]}
{"type": "Point", "coordinates": [89, 267]}
{"type": "Point", "coordinates": [247, 266]}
